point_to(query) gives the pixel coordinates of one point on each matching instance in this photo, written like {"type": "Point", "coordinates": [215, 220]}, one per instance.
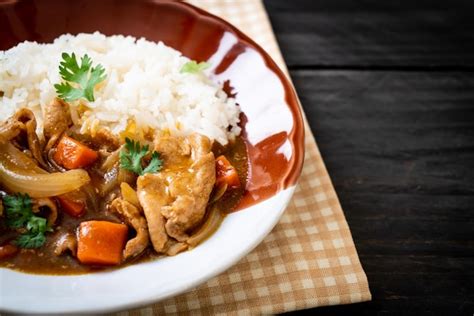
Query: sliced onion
{"type": "Point", "coordinates": [218, 193]}
{"type": "Point", "coordinates": [176, 248]}
{"type": "Point", "coordinates": [54, 165]}
{"type": "Point", "coordinates": [130, 195]}
{"type": "Point", "coordinates": [91, 196]}
{"type": "Point", "coordinates": [18, 158]}
{"type": "Point", "coordinates": [109, 181]}
{"type": "Point", "coordinates": [126, 176]}
{"type": "Point", "coordinates": [208, 228]}
{"type": "Point", "coordinates": [111, 160]}
{"type": "Point", "coordinates": [18, 173]}
{"type": "Point", "coordinates": [42, 185]}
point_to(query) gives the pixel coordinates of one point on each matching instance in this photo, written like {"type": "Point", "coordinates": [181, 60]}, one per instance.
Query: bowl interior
{"type": "Point", "coordinates": [272, 127]}
{"type": "Point", "coordinates": [272, 122]}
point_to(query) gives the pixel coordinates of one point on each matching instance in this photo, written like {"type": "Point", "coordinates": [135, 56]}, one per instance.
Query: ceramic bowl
{"type": "Point", "coordinates": [273, 129]}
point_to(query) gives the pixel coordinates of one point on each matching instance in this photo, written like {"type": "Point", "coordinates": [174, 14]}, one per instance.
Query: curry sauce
{"type": "Point", "coordinates": [57, 255]}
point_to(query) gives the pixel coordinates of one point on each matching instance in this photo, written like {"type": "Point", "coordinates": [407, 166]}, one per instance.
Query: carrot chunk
{"type": "Point", "coordinates": [7, 251]}
{"type": "Point", "coordinates": [101, 242]}
{"type": "Point", "coordinates": [71, 206]}
{"type": "Point", "coordinates": [72, 154]}
{"type": "Point", "coordinates": [226, 173]}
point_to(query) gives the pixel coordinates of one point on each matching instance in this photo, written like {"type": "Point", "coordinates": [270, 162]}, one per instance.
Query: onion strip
{"type": "Point", "coordinates": [208, 228]}
{"type": "Point", "coordinates": [18, 173]}
{"type": "Point", "coordinates": [218, 193]}
{"type": "Point", "coordinates": [18, 158]}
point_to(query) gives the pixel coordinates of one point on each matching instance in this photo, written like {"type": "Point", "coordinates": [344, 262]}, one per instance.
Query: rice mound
{"type": "Point", "coordinates": [143, 85]}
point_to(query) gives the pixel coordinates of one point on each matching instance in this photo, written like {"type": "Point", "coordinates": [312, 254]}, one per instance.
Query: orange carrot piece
{"type": "Point", "coordinates": [7, 251]}
{"type": "Point", "coordinates": [101, 242]}
{"type": "Point", "coordinates": [72, 154]}
{"type": "Point", "coordinates": [75, 208]}
{"type": "Point", "coordinates": [226, 173]}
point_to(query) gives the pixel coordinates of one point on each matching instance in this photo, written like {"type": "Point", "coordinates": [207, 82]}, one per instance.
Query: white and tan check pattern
{"type": "Point", "coordinates": [309, 259]}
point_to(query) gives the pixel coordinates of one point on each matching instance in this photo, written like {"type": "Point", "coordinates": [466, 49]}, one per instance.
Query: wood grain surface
{"type": "Point", "coordinates": [388, 89]}
{"type": "Point", "coordinates": [343, 33]}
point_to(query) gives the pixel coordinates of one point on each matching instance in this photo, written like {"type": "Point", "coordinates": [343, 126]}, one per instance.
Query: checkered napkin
{"type": "Point", "coordinates": [309, 259]}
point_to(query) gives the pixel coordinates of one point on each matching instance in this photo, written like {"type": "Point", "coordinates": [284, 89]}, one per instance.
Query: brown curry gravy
{"type": "Point", "coordinates": [268, 171]}
{"type": "Point", "coordinates": [44, 261]}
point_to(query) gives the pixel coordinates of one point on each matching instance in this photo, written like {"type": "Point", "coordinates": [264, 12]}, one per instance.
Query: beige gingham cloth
{"type": "Point", "coordinates": [309, 259]}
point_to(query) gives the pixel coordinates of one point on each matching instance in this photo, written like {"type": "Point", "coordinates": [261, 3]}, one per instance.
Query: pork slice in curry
{"type": "Point", "coordinates": [75, 203]}
{"type": "Point", "coordinates": [175, 198]}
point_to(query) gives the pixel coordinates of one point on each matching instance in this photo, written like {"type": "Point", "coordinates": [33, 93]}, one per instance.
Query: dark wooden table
{"type": "Point", "coordinates": [388, 88]}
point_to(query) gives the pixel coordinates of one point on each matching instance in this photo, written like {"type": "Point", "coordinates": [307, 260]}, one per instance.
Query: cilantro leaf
{"type": "Point", "coordinates": [17, 209]}
{"type": "Point", "coordinates": [19, 213]}
{"type": "Point", "coordinates": [30, 240]}
{"type": "Point", "coordinates": [80, 80]}
{"type": "Point", "coordinates": [155, 163]}
{"type": "Point", "coordinates": [131, 158]}
{"type": "Point", "coordinates": [36, 224]}
{"type": "Point", "coordinates": [193, 67]}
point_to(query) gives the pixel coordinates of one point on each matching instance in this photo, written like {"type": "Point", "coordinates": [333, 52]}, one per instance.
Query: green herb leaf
{"type": "Point", "coordinates": [131, 158]}
{"type": "Point", "coordinates": [17, 209]}
{"type": "Point", "coordinates": [36, 224]}
{"type": "Point", "coordinates": [30, 240]}
{"type": "Point", "coordinates": [193, 67]}
{"type": "Point", "coordinates": [19, 213]}
{"type": "Point", "coordinates": [80, 80]}
{"type": "Point", "coordinates": [155, 164]}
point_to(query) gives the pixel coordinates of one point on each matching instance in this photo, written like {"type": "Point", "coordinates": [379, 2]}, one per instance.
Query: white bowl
{"type": "Point", "coordinates": [274, 130]}
{"type": "Point", "coordinates": [148, 282]}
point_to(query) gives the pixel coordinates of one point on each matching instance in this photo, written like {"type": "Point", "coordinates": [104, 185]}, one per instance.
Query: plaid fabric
{"type": "Point", "coordinates": [309, 259]}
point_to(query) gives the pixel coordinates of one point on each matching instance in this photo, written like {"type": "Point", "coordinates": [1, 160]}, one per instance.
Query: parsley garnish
{"type": "Point", "coordinates": [80, 80]}
{"type": "Point", "coordinates": [193, 67]}
{"type": "Point", "coordinates": [131, 158]}
{"type": "Point", "coordinates": [17, 209]}
{"type": "Point", "coordinates": [30, 240]}
{"type": "Point", "coordinates": [19, 214]}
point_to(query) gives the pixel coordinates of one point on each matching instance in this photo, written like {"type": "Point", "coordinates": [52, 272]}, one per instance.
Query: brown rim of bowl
{"type": "Point", "coordinates": [296, 135]}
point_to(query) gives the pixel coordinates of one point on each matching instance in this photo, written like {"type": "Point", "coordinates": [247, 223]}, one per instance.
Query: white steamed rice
{"type": "Point", "coordinates": [143, 84]}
